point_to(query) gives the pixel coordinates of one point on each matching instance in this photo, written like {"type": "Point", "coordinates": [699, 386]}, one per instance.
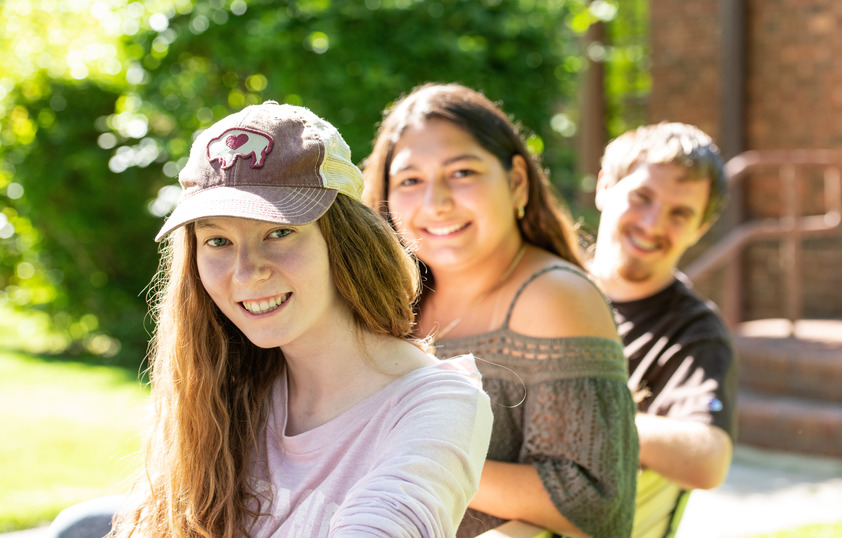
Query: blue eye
{"type": "Point", "coordinates": [216, 242]}
{"type": "Point", "coordinates": [280, 233]}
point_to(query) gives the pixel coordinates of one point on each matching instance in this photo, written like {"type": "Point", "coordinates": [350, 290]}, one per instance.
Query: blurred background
{"type": "Point", "coordinates": [100, 99]}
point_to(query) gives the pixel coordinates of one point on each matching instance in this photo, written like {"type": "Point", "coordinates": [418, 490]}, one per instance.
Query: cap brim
{"type": "Point", "coordinates": [283, 205]}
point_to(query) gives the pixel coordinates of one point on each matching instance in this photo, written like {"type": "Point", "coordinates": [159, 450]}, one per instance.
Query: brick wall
{"type": "Point", "coordinates": [792, 100]}
{"type": "Point", "coordinates": [685, 63]}
{"type": "Point", "coordinates": [794, 83]}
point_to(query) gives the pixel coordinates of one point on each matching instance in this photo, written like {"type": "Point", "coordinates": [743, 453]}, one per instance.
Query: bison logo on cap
{"type": "Point", "coordinates": [244, 143]}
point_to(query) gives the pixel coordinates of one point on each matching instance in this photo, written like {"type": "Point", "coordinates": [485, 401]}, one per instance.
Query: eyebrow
{"type": "Point", "coordinates": [204, 223]}
{"type": "Point", "coordinates": [686, 209]}
{"type": "Point", "coordinates": [451, 160]}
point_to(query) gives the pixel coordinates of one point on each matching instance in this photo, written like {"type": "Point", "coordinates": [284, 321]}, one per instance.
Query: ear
{"type": "Point", "coordinates": [602, 186]}
{"type": "Point", "coordinates": [519, 181]}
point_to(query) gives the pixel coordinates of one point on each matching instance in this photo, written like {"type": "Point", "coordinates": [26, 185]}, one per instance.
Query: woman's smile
{"type": "Point", "coordinates": [263, 306]}
{"type": "Point", "coordinates": [445, 230]}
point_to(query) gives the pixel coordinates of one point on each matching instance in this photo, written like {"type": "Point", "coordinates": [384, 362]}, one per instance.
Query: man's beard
{"type": "Point", "coordinates": [633, 270]}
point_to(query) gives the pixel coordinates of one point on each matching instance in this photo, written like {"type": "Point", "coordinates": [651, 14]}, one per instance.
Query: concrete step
{"type": "Point", "coordinates": [803, 359]}
{"type": "Point", "coordinates": [790, 424]}
{"type": "Point", "coordinates": [790, 385]}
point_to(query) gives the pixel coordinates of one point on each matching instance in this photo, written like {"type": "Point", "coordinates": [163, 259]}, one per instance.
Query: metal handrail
{"type": "Point", "coordinates": [791, 228]}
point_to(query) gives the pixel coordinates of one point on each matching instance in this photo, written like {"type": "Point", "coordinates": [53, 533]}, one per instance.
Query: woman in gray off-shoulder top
{"type": "Point", "coordinates": [504, 281]}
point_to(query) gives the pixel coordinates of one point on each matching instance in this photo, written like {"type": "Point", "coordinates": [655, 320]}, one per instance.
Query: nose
{"type": "Point", "coordinates": [438, 196]}
{"type": "Point", "coordinates": [251, 267]}
{"type": "Point", "coordinates": [652, 218]}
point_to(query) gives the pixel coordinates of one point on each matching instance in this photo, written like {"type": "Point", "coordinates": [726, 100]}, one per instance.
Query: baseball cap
{"type": "Point", "coordinates": [270, 162]}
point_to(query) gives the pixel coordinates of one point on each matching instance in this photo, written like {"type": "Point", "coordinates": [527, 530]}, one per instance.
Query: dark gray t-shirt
{"type": "Point", "coordinates": [681, 359]}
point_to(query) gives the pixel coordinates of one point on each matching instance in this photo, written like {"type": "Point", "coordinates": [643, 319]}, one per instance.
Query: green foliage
{"type": "Point", "coordinates": [347, 61]}
{"type": "Point", "coordinates": [627, 78]}
{"type": "Point", "coordinates": [68, 226]}
{"type": "Point", "coordinates": [90, 220]}
{"type": "Point", "coordinates": [100, 101]}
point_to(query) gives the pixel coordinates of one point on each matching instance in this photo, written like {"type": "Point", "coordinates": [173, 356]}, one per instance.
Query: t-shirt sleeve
{"type": "Point", "coordinates": [702, 387]}
{"type": "Point", "coordinates": [580, 435]}
{"type": "Point", "coordinates": [428, 463]}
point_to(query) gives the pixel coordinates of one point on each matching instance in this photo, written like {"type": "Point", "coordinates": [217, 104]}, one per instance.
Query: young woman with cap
{"type": "Point", "coordinates": [288, 397]}
{"type": "Point", "coordinates": [503, 280]}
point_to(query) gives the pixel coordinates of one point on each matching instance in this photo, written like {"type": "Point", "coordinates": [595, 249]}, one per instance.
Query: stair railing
{"type": "Point", "coordinates": [791, 228]}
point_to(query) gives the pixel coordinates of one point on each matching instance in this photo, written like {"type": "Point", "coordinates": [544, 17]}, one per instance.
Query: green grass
{"type": "Point", "coordinates": [69, 431]}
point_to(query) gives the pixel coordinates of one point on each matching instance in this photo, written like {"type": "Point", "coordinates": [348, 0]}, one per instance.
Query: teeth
{"type": "Point", "coordinates": [446, 229]}
{"type": "Point", "coordinates": [648, 246]}
{"type": "Point", "coordinates": [261, 307]}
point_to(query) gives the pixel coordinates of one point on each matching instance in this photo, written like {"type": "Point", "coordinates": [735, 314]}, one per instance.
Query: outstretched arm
{"type": "Point", "coordinates": [694, 455]}
{"type": "Point", "coordinates": [426, 459]}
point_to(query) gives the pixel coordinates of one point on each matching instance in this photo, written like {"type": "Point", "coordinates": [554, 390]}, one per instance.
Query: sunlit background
{"type": "Point", "coordinates": [99, 101]}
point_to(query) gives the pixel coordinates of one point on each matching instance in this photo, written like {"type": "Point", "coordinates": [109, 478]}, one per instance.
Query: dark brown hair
{"type": "Point", "coordinates": [546, 222]}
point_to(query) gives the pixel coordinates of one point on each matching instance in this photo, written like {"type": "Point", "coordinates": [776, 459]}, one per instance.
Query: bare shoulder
{"type": "Point", "coordinates": [562, 303]}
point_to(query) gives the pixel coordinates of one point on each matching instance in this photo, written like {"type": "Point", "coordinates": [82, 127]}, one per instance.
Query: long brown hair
{"type": "Point", "coordinates": [372, 270]}
{"type": "Point", "coordinates": [210, 384]}
{"type": "Point", "coordinates": [546, 222]}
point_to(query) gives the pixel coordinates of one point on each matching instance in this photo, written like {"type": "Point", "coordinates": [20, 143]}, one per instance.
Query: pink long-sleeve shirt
{"type": "Point", "coordinates": [405, 461]}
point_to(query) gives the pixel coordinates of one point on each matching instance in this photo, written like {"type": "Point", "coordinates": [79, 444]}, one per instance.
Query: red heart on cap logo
{"type": "Point", "coordinates": [234, 142]}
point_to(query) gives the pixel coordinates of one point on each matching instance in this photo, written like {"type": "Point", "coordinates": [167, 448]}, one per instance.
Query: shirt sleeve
{"type": "Point", "coordinates": [580, 435]}
{"type": "Point", "coordinates": [427, 466]}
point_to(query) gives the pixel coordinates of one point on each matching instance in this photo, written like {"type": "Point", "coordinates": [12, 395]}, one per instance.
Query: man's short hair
{"type": "Point", "coordinates": [670, 143]}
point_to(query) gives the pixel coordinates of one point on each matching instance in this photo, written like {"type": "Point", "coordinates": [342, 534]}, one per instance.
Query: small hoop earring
{"type": "Point", "coordinates": [521, 212]}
